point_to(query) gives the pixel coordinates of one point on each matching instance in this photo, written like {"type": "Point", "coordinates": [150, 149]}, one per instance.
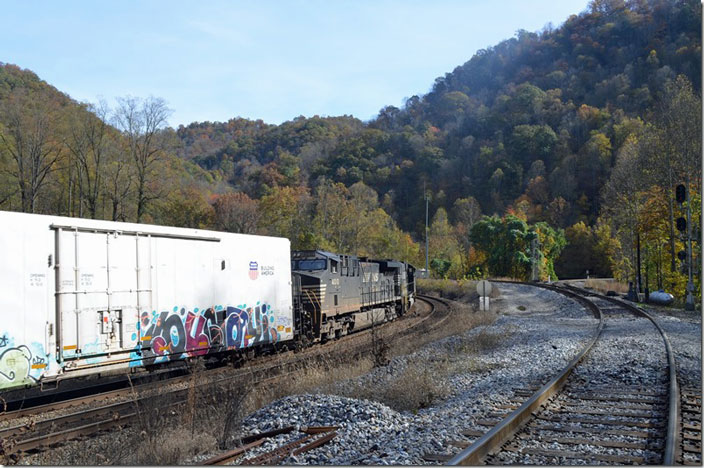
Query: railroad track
{"type": "Point", "coordinates": [119, 408]}
{"type": "Point", "coordinates": [436, 304]}
{"type": "Point", "coordinates": [688, 449]}
{"type": "Point", "coordinates": [572, 419]}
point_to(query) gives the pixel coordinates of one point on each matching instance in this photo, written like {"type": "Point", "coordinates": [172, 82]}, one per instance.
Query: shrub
{"type": "Point", "coordinates": [459, 290]}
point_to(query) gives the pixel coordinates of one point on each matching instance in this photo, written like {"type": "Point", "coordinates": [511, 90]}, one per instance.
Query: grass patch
{"type": "Point", "coordinates": [417, 386]}
{"type": "Point", "coordinates": [458, 290]}
{"type": "Point", "coordinates": [460, 353]}
{"type": "Point", "coordinates": [605, 285]}
{"type": "Point", "coordinates": [423, 380]}
{"type": "Point", "coordinates": [478, 343]}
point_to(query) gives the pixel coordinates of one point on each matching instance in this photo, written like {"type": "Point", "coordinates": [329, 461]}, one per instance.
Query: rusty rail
{"type": "Point", "coordinates": [249, 442]}
{"type": "Point", "coordinates": [232, 454]}
{"type": "Point", "coordinates": [316, 437]}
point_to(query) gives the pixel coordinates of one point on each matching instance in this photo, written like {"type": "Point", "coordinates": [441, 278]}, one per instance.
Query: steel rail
{"type": "Point", "coordinates": [248, 442]}
{"type": "Point", "coordinates": [428, 300]}
{"type": "Point", "coordinates": [125, 391]}
{"type": "Point", "coordinates": [17, 405]}
{"type": "Point", "coordinates": [112, 409]}
{"type": "Point", "coordinates": [313, 440]}
{"type": "Point", "coordinates": [503, 431]}
{"type": "Point", "coordinates": [232, 454]}
{"type": "Point", "coordinates": [64, 404]}
{"type": "Point", "coordinates": [673, 420]}
{"type": "Point", "coordinates": [47, 440]}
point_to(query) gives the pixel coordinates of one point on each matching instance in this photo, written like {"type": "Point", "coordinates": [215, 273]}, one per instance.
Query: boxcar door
{"type": "Point", "coordinates": [102, 276]}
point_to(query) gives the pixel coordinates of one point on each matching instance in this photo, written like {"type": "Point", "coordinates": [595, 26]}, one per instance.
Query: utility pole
{"type": "Point", "coordinates": [689, 303]}
{"type": "Point", "coordinates": [639, 281]}
{"type": "Point", "coordinates": [534, 259]}
{"type": "Point", "coordinates": [425, 195]}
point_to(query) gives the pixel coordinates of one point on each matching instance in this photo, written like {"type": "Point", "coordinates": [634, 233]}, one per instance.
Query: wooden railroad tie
{"type": "Point", "coordinates": [653, 445]}
{"type": "Point", "coordinates": [625, 460]}
{"type": "Point", "coordinates": [600, 421]}
{"type": "Point", "coordinates": [591, 430]}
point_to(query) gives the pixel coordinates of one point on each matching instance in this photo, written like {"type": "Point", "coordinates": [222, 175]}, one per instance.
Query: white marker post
{"type": "Point", "coordinates": [484, 290]}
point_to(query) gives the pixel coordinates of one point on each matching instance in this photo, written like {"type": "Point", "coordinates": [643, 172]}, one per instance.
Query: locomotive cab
{"type": "Point", "coordinates": [325, 292]}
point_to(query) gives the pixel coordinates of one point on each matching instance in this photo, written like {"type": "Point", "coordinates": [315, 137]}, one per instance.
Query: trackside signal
{"type": "Point", "coordinates": [680, 193]}
{"type": "Point", "coordinates": [681, 224]}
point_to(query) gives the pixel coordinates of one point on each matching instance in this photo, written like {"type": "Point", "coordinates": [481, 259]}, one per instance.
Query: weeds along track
{"type": "Point", "coordinates": [29, 430]}
{"type": "Point", "coordinates": [588, 413]}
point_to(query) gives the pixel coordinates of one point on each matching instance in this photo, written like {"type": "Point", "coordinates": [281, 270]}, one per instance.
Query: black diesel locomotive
{"type": "Point", "coordinates": [337, 294]}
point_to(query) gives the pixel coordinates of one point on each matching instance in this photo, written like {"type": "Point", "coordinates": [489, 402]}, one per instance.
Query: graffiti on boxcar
{"type": "Point", "coordinates": [172, 335]}
{"type": "Point", "coordinates": [15, 366]}
{"type": "Point", "coordinates": [21, 363]}
{"type": "Point", "coordinates": [245, 327]}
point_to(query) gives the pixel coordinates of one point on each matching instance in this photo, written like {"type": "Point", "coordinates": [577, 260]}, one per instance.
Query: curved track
{"type": "Point", "coordinates": [567, 412]}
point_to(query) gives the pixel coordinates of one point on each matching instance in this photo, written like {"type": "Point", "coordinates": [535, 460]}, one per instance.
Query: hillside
{"type": "Point", "coordinates": [558, 105]}
{"type": "Point", "coordinates": [533, 127]}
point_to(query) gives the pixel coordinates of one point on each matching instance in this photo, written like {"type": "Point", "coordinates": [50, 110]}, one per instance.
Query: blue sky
{"type": "Point", "coordinates": [269, 60]}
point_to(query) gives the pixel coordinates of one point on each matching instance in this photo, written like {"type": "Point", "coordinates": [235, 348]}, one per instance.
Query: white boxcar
{"type": "Point", "coordinates": [79, 296]}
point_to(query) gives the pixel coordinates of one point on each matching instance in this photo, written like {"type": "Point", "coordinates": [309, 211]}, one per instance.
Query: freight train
{"type": "Point", "coordinates": [81, 297]}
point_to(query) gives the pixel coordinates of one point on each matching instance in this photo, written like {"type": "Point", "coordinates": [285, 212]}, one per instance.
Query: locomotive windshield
{"type": "Point", "coordinates": [308, 265]}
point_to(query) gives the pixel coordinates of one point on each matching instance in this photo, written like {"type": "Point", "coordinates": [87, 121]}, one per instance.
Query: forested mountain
{"type": "Point", "coordinates": [538, 127]}
{"type": "Point", "coordinates": [539, 116]}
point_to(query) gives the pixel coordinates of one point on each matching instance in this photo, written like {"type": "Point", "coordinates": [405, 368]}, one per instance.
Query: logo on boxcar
{"type": "Point", "coordinates": [253, 270]}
